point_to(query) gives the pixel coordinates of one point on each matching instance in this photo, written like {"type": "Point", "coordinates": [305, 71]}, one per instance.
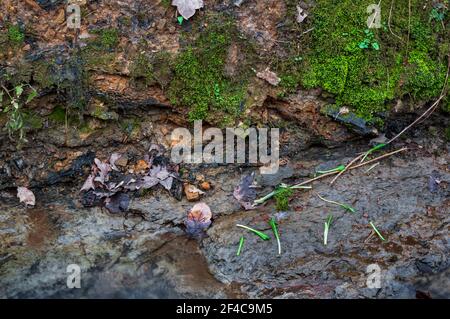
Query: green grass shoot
{"type": "Point", "coordinates": [273, 224]}
{"type": "Point", "coordinates": [373, 149]}
{"type": "Point", "coordinates": [340, 168]}
{"type": "Point", "coordinates": [327, 228]}
{"type": "Point", "coordinates": [241, 244]}
{"type": "Point", "coordinates": [256, 232]}
{"type": "Point", "coordinates": [376, 231]}
{"type": "Point", "coordinates": [345, 206]}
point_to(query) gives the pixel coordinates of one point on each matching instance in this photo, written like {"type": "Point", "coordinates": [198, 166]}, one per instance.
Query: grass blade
{"type": "Point", "coordinates": [345, 206]}
{"type": "Point", "coordinates": [373, 149]}
{"type": "Point", "coordinates": [273, 224]}
{"type": "Point", "coordinates": [340, 168]}
{"type": "Point", "coordinates": [241, 244]}
{"type": "Point", "coordinates": [376, 231]}
{"type": "Point", "coordinates": [326, 229]}
{"type": "Point", "coordinates": [256, 232]}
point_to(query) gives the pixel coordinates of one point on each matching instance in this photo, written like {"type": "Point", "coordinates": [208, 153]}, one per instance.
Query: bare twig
{"type": "Point", "coordinates": [389, 22]}
{"type": "Point", "coordinates": [372, 167]}
{"type": "Point", "coordinates": [352, 167]}
{"type": "Point", "coordinates": [409, 27]}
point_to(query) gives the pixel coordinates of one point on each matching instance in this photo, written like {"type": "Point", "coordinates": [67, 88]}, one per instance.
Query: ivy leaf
{"type": "Point", "coordinates": [376, 46]}
{"type": "Point", "coordinates": [187, 7]}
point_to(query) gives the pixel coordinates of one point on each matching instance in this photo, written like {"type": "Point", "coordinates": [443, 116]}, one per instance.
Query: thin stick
{"type": "Point", "coordinates": [409, 28]}
{"type": "Point", "coordinates": [346, 168]}
{"type": "Point", "coordinates": [372, 167]}
{"type": "Point", "coordinates": [389, 21]}
{"type": "Point", "coordinates": [353, 167]}
{"type": "Point", "coordinates": [378, 158]}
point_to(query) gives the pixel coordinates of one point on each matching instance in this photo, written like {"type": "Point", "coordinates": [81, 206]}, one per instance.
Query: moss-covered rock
{"type": "Point", "coordinates": [200, 83]}
{"type": "Point", "coordinates": [363, 68]}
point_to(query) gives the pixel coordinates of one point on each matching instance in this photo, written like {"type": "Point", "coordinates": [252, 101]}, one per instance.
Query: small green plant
{"type": "Point", "coordinates": [369, 41]}
{"type": "Point", "coordinates": [282, 198]}
{"type": "Point", "coordinates": [12, 106]}
{"type": "Point", "coordinates": [106, 40]}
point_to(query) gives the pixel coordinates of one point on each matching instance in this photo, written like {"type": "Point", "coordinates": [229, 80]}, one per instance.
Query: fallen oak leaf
{"type": "Point", "coordinates": [112, 160]}
{"type": "Point", "coordinates": [104, 169]}
{"type": "Point", "coordinates": [89, 183]}
{"type": "Point", "coordinates": [26, 196]}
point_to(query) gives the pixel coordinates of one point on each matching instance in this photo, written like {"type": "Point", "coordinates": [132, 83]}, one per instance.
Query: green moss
{"type": "Point", "coordinates": [423, 76]}
{"type": "Point", "coordinates": [282, 199]}
{"type": "Point", "coordinates": [166, 3]}
{"type": "Point", "coordinates": [32, 121]}
{"type": "Point", "coordinates": [42, 74]}
{"type": "Point", "coordinates": [15, 35]}
{"type": "Point", "coordinates": [447, 133]}
{"type": "Point", "coordinates": [130, 126]}
{"type": "Point", "coordinates": [163, 68]}
{"type": "Point", "coordinates": [107, 39]}
{"type": "Point", "coordinates": [367, 80]}
{"type": "Point", "coordinates": [142, 69]}
{"type": "Point", "coordinates": [200, 83]}
{"type": "Point", "coordinates": [99, 60]}
{"type": "Point", "coordinates": [58, 114]}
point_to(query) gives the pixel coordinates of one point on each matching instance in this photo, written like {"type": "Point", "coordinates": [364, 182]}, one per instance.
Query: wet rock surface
{"type": "Point", "coordinates": [145, 253]}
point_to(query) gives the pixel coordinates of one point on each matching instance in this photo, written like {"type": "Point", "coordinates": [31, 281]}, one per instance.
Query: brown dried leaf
{"type": "Point", "coordinates": [112, 160]}
{"type": "Point", "coordinates": [269, 76]}
{"type": "Point", "coordinates": [89, 183]}
{"type": "Point", "coordinates": [104, 169]}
